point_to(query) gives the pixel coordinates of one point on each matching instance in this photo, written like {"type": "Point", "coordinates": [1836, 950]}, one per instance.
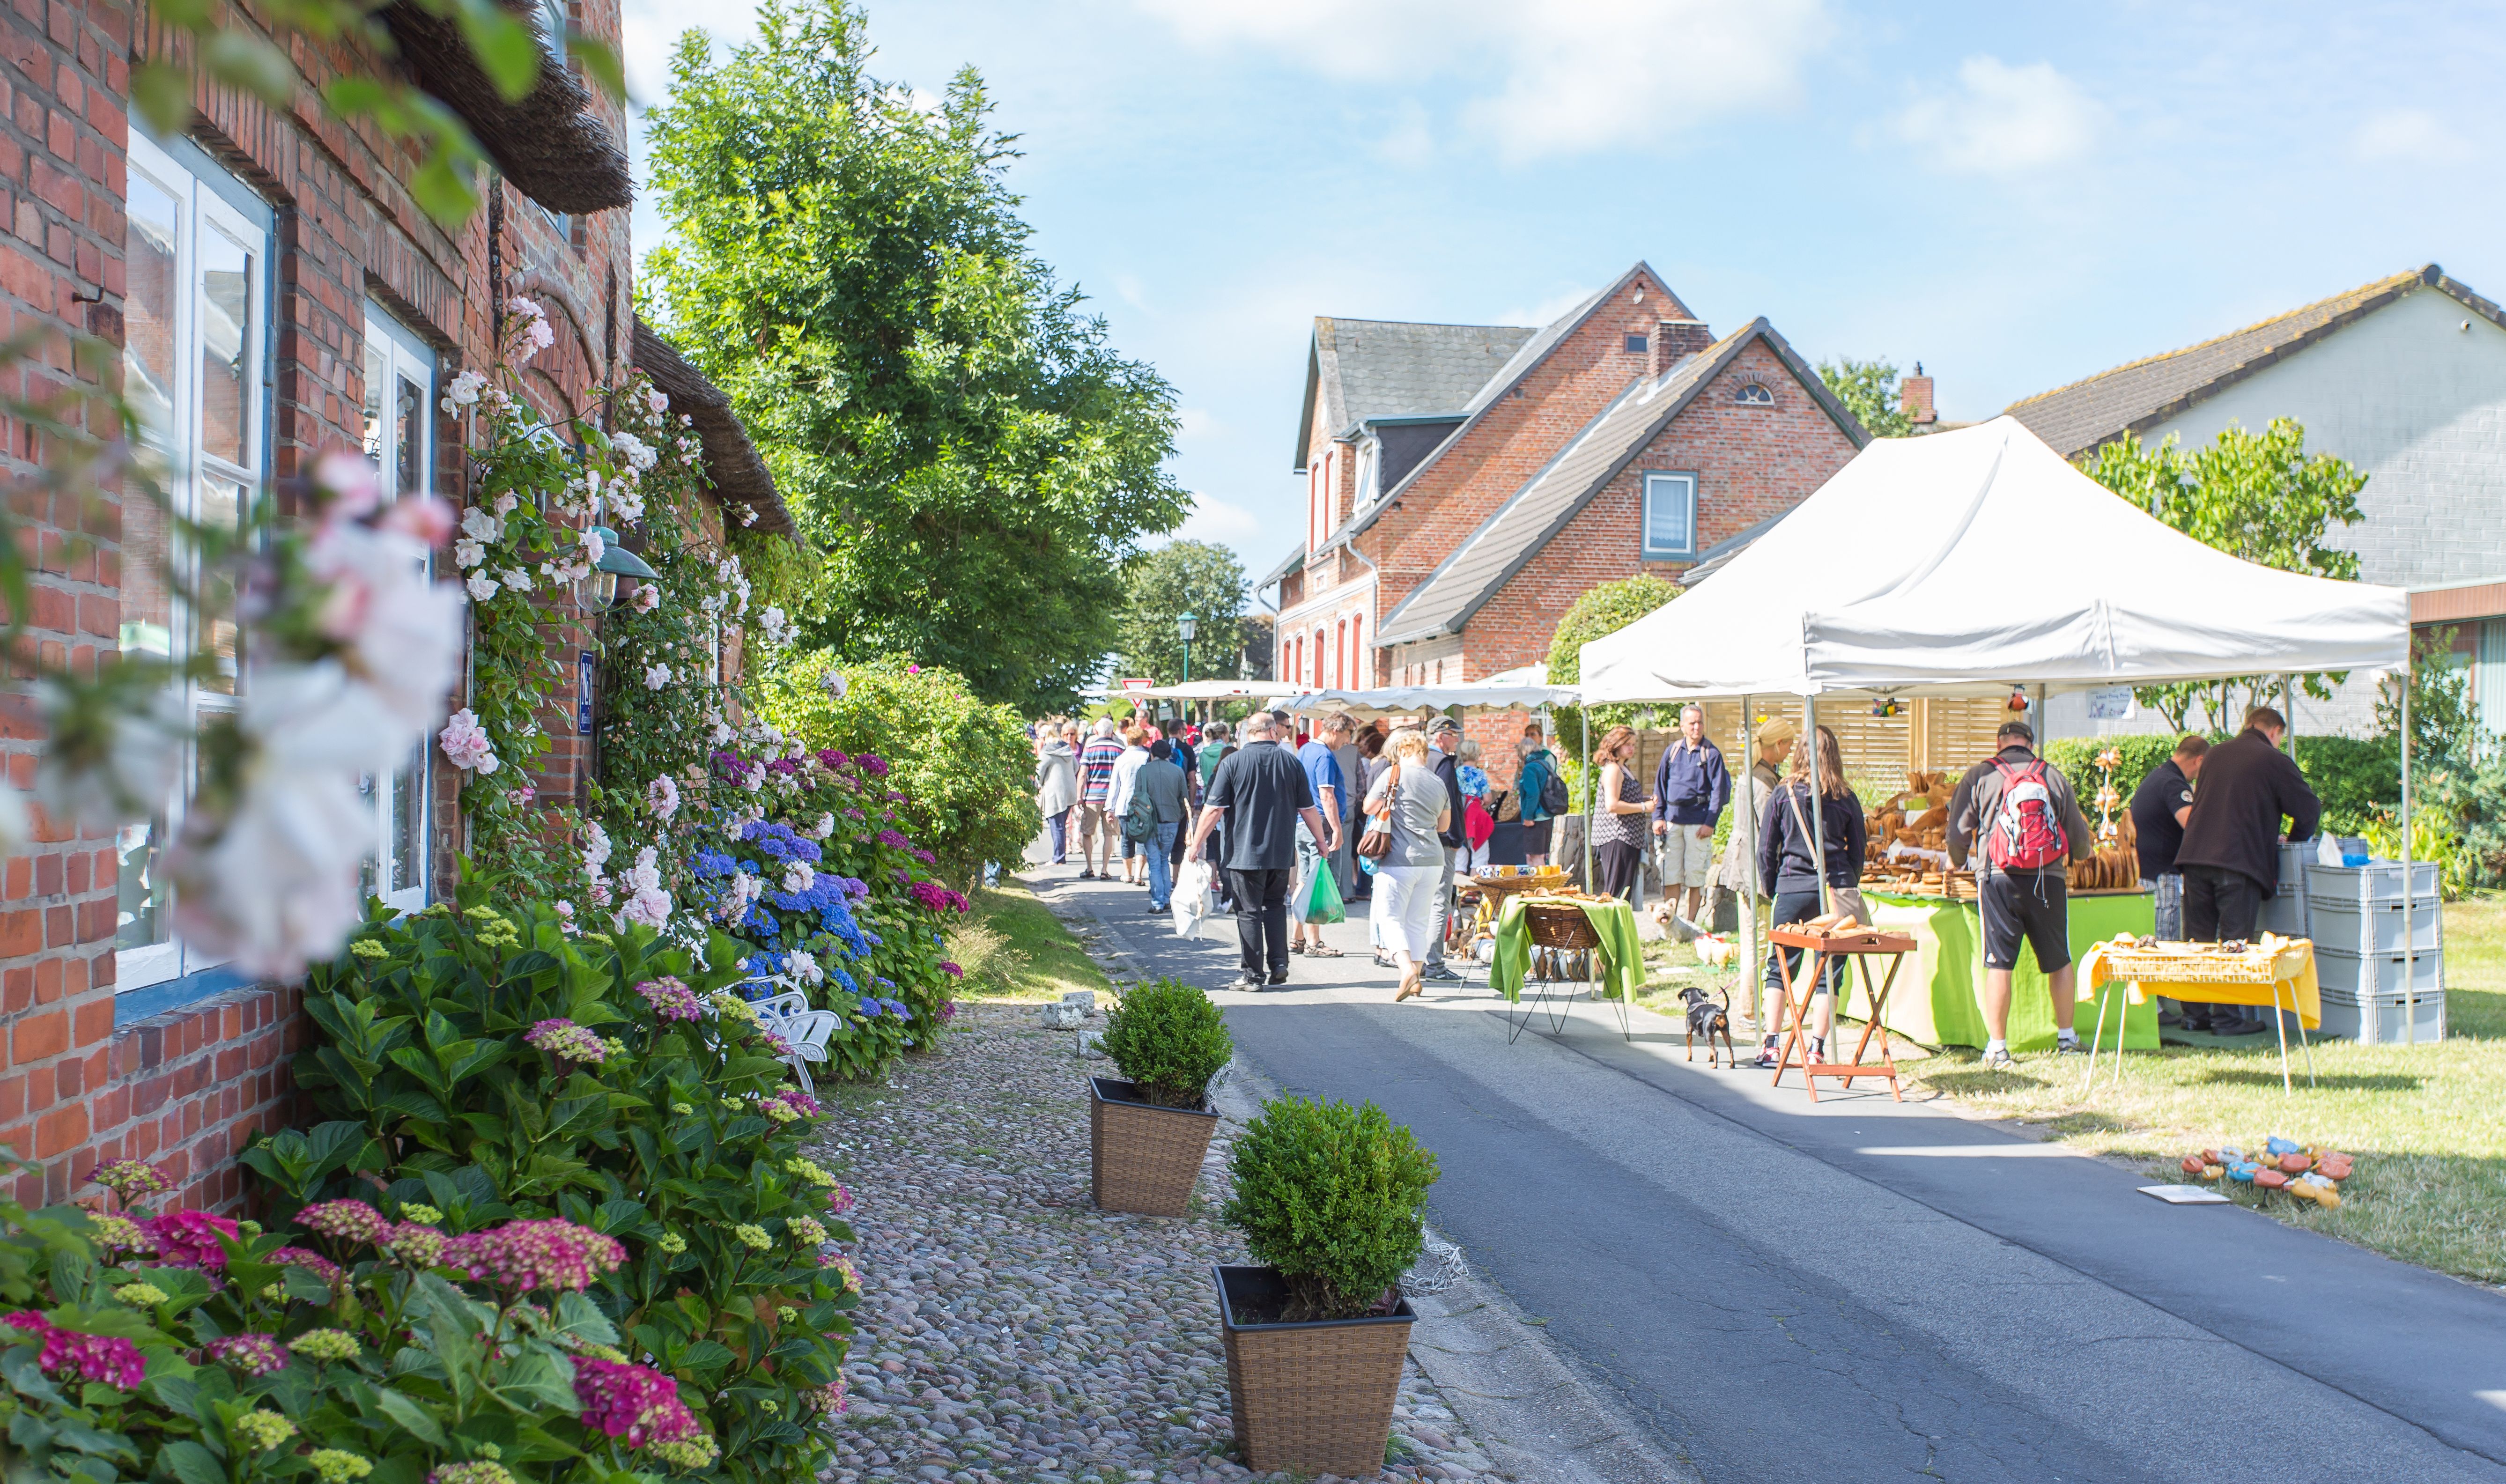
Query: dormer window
{"type": "Point", "coordinates": [1754, 393]}
{"type": "Point", "coordinates": [1636, 344]}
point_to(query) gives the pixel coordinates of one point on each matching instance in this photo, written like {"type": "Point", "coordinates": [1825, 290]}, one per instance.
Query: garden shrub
{"type": "Point", "coordinates": [2356, 778]}
{"type": "Point", "coordinates": [492, 1067]}
{"type": "Point", "coordinates": [1170, 1041]}
{"type": "Point", "coordinates": [967, 769]}
{"type": "Point", "coordinates": [1333, 1196]}
{"type": "Point", "coordinates": [2077, 757]}
{"type": "Point", "coordinates": [803, 866]}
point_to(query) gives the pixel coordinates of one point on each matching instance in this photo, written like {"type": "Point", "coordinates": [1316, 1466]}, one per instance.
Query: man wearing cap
{"type": "Point", "coordinates": [1445, 735]}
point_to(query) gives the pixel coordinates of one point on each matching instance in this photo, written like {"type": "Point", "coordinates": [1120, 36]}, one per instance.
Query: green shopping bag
{"type": "Point", "coordinates": [1322, 895]}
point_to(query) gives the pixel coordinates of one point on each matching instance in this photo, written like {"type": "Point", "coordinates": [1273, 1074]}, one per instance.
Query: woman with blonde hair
{"type": "Point", "coordinates": [1620, 828]}
{"type": "Point", "coordinates": [1790, 869]}
{"type": "Point", "coordinates": [1410, 801]}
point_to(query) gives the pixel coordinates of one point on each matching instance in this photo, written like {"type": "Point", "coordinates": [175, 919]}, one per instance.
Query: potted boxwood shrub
{"type": "Point", "coordinates": [1149, 1129]}
{"type": "Point", "coordinates": [1329, 1196]}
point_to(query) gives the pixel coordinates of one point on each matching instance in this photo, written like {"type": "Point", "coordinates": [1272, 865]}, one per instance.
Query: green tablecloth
{"type": "Point", "coordinates": [1939, 1001]}
{"type": "Point", "coordinates": [1620, 971]}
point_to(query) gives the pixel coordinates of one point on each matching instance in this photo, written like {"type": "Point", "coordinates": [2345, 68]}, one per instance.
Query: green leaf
{"type": "Point", "coordinates": [243, 60]}
{"type": "Point", "coordinates": [302, 1287]}
{"type": "Point", "coordinates": [417, 1420]}
{"type": "Point", "coordinates": [444, 188]}
{"type": "Point", "coordinates": [191, 1464]}
{"type": "Point", "coordinates": [161, 93]}
{"type": "Point", "coordinates": [505, 49]}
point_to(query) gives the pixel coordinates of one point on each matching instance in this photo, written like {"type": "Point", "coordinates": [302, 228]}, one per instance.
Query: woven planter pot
{"type": "Point", "coordinates": [1143, 1157]}
{"type": "Point", "coordinates": [1316, 1396]}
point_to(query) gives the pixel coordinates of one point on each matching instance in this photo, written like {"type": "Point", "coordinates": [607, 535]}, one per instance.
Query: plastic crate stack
{"type": "Point", "coordinates": [2373, 991]}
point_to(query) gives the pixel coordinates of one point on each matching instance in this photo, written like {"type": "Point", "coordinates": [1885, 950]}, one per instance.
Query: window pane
{"type": "Point", "coordinates": [226, 344]}
{"type": "Point", "coordinates": [370, 869]}
{"type": "Point", "coordinates": [408, 823]}
{"type": "Point", "coordinates": [154, 249]}
{"type": "Point", "coordinates": [1666, 514]}
{"type": "Point", "coordinates": [410, 413]}
{"type": "Point", "coordinates": [142, 918]}
{"type": "Point", "coordinates": [222, 505]}
{"type": "Point", "coordinates": [377, 376]}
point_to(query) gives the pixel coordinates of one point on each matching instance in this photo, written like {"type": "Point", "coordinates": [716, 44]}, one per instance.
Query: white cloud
{"type": "Point", "coordinates": [1547, 78]}
{"type": "Point", "coordinates": [1409, 143]}
{"type": "Point", "coordinates": [1215, 519]}
{"type": "Point", "coordinates": [2408, 134]}
{"type": "Point", "coordinates": [2002, 119]}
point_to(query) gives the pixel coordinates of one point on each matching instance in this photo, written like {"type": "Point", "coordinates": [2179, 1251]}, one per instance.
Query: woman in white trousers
{"type": "Point", "coordinates": [1410, 801]}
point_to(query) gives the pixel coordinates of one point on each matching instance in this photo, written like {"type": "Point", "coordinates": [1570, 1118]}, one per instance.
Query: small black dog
{"type": "Point", "coordinates": [1708, 1020]}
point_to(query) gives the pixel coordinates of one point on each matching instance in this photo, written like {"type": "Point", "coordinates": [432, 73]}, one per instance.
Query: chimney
{"type": "Point", "coordinates": [1915, 394]}
{"type": "Point", "coordinates": [1673, 342]}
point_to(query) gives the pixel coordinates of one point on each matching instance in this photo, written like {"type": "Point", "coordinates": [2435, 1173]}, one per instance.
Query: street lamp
{"type": "Point", "coordinates": [599, 593]}
{"type": "Point", "coordinates": [1187, 625]}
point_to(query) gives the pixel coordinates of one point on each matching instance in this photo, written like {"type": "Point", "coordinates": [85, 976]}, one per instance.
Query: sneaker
{"type": "Point", "coordinates": [1248, 983]}
{"type": "Point", "coordinates": [2070, 1047]}
{"type": "Point", "coordinates": [1279, 978]}
{"type": "Point", "coordinates": [1998, 1061]}
{"type": "Point", "coordinates": [1439, 974]}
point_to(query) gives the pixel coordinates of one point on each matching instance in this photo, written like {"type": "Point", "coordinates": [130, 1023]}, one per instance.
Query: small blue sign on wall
{"type": "Point", "coordinates": [583, 696]}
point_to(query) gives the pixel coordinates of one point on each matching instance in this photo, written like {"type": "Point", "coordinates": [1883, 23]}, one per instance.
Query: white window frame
{"type": "Point", "coordinates": [1670, 484]}
{"type": "Point", "coordinates": [206, 199]}
{"type": "Point", "coordinates": [396, 356]}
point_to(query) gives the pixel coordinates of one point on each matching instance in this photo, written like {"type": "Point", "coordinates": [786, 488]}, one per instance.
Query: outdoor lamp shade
{"type": "Point", "coordinates": [1186, 626]}
{"type": "Point", "coordinates": [600, 593]}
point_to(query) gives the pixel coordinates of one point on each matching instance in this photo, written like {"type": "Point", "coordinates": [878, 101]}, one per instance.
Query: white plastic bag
{"type": "Point", "coordinates": [1191, 900]}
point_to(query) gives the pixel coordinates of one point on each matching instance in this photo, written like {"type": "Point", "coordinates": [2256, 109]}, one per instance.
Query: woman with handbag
{"type": "Point", "coordinates": [1621, 823]}
{"type": "Point", "coordinates": [1406, 814]}
{"type": "Point", "coordinates": [1788, 870]}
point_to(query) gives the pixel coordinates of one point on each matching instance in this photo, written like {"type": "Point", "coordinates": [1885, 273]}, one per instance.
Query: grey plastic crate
{"type": "Point", "coordinates": [2377, 881]}
{"type": "Point", "coordinates": [2381, 1021]}
{"type": "Point", "coordinates": [2345, 927]}
{"type": "Point", "coordinates": [2284, 914]}
{"type": "Point", "coordinates": [2354, 977]}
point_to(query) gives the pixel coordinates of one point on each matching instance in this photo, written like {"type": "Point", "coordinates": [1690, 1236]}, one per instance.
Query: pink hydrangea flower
{"type": "Point", "coordinates": [568, 1042]}
{"type": "Point", "coordinates": [189, 1238]}
{"type": "Point", "coordinates": [839, 1200]}
{"type": "Point", "coordinates": [131, 1180]}
{"type": "Point", "coordinates": [632, 1404]}
{"type": "Point", "coordinates": [530, 1256]}
{"type": "Point", "coordinates": [418, 1245]}
{"type": "Point", "coordinates": [312, 1261]}
{"type": "Point", "coordinates": [345, 1221]}
{"type": "Point", "coordinates": [254, 1355]}
{"type": "Point", "coordinates": [98, 1358]}
{"type": "Point", "coordinates": [672, 999]}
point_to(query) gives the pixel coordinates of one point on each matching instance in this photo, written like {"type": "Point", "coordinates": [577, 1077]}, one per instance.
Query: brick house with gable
{"type": "Point", "coordinates": [276, 294]}
{"type": "Point", "coordinates": [1466, 482]}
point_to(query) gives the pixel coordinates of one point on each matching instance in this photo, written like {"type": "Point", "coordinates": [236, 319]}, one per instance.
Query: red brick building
{"type": "Point", "coordinates": [1467, 482]}
{"type": "Point", "coordinates": [277, 295]}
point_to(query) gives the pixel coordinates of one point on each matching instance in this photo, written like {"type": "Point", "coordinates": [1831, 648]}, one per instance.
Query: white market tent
{"type": "Point", "coordinates": [1204, 690]}
{"type": "Point", "coordinates": [1978, 561]}
{"type": "Point", "coordinates": [1394, 700]}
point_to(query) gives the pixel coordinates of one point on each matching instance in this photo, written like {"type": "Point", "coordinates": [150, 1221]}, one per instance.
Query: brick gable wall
{"type": "Point", "coordinates": [184, 1089]}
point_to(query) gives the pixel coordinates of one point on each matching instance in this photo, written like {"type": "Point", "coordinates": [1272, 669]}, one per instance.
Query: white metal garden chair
{"type": "Point", "coordinates": [805, 1030]}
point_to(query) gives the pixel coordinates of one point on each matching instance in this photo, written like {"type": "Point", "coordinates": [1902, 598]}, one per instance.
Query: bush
{"type": "Point", "coordinates": [1332, 1196]}
{"type": "Point", "coordinates": [967, 769]}
{"type": "Point", "coordinates": [1170, 1041]}
{"type": "Point", "coordinates": [2355, 778]}
{"type": "Point", "coordinates": [493, 1066]}
{"type": "Point", "coordinates": [1602, 609]}
{"type": "Point", "coordinates": [196, 1349]}
{"type": "Point", "coordinates": [2077, 757]}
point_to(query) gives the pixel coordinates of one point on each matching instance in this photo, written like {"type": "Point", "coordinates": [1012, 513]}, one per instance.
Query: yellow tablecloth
{"type": "Point", "coordinates": [2266, 984]}
{"type": "Point", "coordinates": [1620, 967]}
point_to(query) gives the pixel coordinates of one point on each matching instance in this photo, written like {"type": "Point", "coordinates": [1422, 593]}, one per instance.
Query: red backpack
{"type": "Point", "coordinates": [2026, 831]}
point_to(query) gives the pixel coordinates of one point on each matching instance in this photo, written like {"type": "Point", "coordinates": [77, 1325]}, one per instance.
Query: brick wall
{"type": "Point", "coordinates": [187, 1087]}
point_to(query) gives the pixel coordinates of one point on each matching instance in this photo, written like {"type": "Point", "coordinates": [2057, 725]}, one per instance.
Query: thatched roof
{"type": "Point", "coordinates": [548, 144]}
{"type": "Point", "coordinates": [732, 462]}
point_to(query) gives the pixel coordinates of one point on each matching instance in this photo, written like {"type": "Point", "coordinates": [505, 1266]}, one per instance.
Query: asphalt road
{"type": "Point", "coordinates": [1871, 1290]}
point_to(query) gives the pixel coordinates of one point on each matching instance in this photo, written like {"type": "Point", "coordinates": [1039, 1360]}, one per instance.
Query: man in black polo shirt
{"type": "Point", "coordinates": [1259, 793]}
{"type": "Point", "coordinates": [2160, 806]}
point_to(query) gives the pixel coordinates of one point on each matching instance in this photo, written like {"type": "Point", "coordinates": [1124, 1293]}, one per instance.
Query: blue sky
{"type": "Point", "coordinates": [2017, 197]}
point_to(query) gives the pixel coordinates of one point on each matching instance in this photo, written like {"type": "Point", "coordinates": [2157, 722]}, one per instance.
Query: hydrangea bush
{"type": "Point", "coordinates": [587, 1105]}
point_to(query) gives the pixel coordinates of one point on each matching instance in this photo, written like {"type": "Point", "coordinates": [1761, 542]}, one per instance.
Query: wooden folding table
{"type": "Point", "coordinates": [1821, 947]}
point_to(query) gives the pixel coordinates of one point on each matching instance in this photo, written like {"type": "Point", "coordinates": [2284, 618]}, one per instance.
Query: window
{"type": "Point", "coordinates": [194, 360]}
{"type": "Point", "coordinates": [399, 437]}
{"type": "Point", "coordinates": [1754, 393]}
{"type": "Point", "coordinates": [1362, 673]}
{"type": "Point", "coordinates": [1670, 515]}
{"type": "Point", "coordinates": [1318, 653]}
{"type": "Point", "coordinates": [1639, 343]}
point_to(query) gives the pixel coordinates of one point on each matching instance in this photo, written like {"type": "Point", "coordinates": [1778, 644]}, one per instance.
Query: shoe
{"type": "Point", "coordinates": [2070, 1047]}
{"type": "Point", "coordinates": [1279, 978]}
{"type": "Point", "coordinates": [1768, 1050]}
{"type": "Point", "coordinates": [2241, 1029]}
{"type": "Point", "coordinates": [1440, 974]}
{"type": "Point", "coordinates": [1157, 909]}
{"type": "Point", "coordinates": [1998, 1061]}
{"type": "Point", "coordinates": [1385, 961]}
{"type": "Point", "coordinates": [1296, 945]}
{"type": "Point", "coordinates": [1247, 983]}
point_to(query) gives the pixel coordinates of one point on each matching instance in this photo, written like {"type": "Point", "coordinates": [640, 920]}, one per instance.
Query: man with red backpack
{"type": "Point", "coordinates": [2018, 813]}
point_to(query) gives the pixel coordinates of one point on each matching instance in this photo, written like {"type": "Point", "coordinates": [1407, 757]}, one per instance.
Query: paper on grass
{"type": "Point", "coordinates": [2187, 1195]}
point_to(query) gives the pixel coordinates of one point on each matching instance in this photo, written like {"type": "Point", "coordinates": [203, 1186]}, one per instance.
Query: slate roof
{"type": "Point", "coordinates": [1489, 557]}
{"type": "Point", "coordinates": [2136, 397]}
{"type": "Point", "coordinates": [1368, 369]}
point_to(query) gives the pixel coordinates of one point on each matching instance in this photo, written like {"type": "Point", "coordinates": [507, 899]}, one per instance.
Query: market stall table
{"type": "Point", "coordinates": [1942, 1001]}
{"type": "Point", "coordinates": [1496, 888]}
{"type": "Point", "coordinates": [2276, 973]}
{"type": "Point", "coordinates": [1823, 946]}
{"type": "Point", "coordinates": [1616, 954]}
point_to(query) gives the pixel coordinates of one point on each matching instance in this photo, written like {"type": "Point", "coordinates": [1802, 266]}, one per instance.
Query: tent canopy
{"type": "Point", "coordinates": [1203, 689]}
{"type": "Point", "coordinates": [1395, 700]}
{"type": "Point", "coordinates": [1967, 562]}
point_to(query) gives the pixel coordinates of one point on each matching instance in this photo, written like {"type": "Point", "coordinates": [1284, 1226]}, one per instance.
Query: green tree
{"type": "Point", "coordinates": [1201, 578]}
{"type": "Point", "coordinates": [1602, 610]}
{"type": "Point", "coordinates": [976, 463]}
{"type": "Point", "coordinates": [1868, 390]}
{"type": "Point", "coordinates": [2259, 496]}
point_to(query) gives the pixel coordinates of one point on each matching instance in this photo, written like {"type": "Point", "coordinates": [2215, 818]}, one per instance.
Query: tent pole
{"type": "Point", "coordinates": [1584, 720]}
{"type": "Point", "coordinates": [1749, 880]}
{"type": "Point", "coordinates": [1817, 804]}
{"type": "Point", "coordinates": [2410, 954]}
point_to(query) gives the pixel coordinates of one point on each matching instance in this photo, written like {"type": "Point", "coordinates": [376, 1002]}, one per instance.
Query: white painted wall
{"type": "Point", "coordinates": [2418, 402]}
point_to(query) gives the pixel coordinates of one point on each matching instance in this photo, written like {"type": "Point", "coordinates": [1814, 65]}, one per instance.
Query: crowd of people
{"type": "Point", "coordinates": [1391, 816]}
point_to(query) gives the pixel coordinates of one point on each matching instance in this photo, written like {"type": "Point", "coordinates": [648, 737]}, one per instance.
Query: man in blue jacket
{"type": "Point", "coordinates": [1690, 790]}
